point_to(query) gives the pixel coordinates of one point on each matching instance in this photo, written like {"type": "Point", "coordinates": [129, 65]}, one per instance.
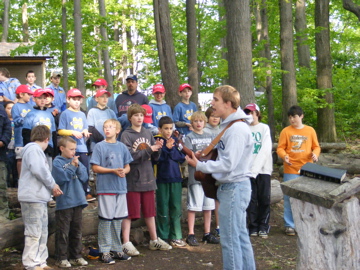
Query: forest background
{"type": "Point", "coordinates": [303, 52]}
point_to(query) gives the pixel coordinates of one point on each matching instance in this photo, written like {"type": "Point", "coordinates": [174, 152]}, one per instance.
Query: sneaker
{"type": "Point", "coordinates": [191, 240]}
{"type": "Point", "coordinates": [63, 264]}
{"type": "Point", "coordinates": [78, 262]}
{"type": "Point", "coordinates": [210, 239]}
{"type": "Point", "coordinates": [106, 258]}
{"type": "Point", "coordinates": [177, 243]}
{"type": "Point", "coordinates": [159, 244]}
{"type": "Point", "coordinates": [119, 256]}
{"type": "Point", "coordinates": [254, 234]}
{"type": "Point", "coordinates": [130, 250]}
{"type": "Point", "coordinates": [290, 231]}
{"type": "Point", "coordinates": [90, 198]}
{"type": "Point", "coordinates": [263, 234]}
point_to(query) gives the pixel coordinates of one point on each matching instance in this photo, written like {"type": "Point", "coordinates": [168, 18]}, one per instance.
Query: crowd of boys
{"type": "Point", "coordinates": [125, 164]}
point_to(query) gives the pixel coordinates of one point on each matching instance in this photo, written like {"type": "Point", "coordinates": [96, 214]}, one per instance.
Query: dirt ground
{"type": "Point", "coordinates": [277, 252]}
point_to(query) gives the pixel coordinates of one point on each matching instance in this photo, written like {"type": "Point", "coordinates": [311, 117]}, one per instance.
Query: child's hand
{"type": "Point", "coordinates": [287, 160]}
{"type": "Point", "coordinates": [119, 172]}
{"type": "Point", "coordinates": [170, 143]}
{"type": "Point", "coordinates": [158, 144]}
{"type": "Point", "coordinates": [314, 157]}
{"type": "Point", "coordinates": [75, 161]}
{"type": "Point", "coordinates": [77, 134]}
{"type": "Point", "coordinates": [56, 191]}
{"type": "Point", "coordinates": [86, 133]}
{"type": "Point", "coordinates": [55, 112]}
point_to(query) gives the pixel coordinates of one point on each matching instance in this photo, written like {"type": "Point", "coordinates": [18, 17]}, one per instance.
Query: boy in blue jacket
{"type": "Point", "coordinates": [69, 174]}
{"type": "Point", "coordinates": [168, 180]}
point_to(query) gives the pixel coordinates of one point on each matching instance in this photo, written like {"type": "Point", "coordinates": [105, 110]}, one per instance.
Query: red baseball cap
{"type": "Point", "coordinates": [22, 88]}
{"type": "Point", "coordinates": [252, 107]}
{"type": "Point", "coordinates": [74, 93]}
{"type": "Point", "coordinates": [99, 82]}
{"type": "Point", "coordinates": [40, 92]}
{"type": "Point", "coordinates": [101, 92]}
{"type": "Point", "coordinates": [183, 86]}
{"type": "Point", "coordinates": [158, 88]}
{"type": "Point", "coordinates": [148, 115]}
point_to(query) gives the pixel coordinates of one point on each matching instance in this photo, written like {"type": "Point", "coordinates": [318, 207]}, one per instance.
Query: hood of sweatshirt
{"type": "Point", "coordinates": [239, 114]}
{"type": "Point", "coordinates": [157, 103]}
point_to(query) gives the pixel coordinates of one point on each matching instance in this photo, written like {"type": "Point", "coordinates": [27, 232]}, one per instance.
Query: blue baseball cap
{"type": "Point", "coordinates": [131, 77]}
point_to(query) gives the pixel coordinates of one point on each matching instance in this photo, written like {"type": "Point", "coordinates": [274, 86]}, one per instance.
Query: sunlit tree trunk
{"type": "Point", "coordinates": [105, 51]}
{"type": "Point", "coordinates": [166, 50]}
{"type": "Point", "coordinates": [64, 58]}
{"type": "Point", "coordinates": [301, 34]}
{"type": "Point", "coordinates": [238, 42]}
{"type": "Point", "coordinates": [5, 21]}
{"type": "Point", "coordinates": [326, 116]}
{"type": "Point", "coordinates": [193, 72]}
{"type": "Point", "coordinates": [79, 63]}
{"type": "Point", "coordinates": [289, 95]}
{"type": "Point", "coordinates": [25, 23]}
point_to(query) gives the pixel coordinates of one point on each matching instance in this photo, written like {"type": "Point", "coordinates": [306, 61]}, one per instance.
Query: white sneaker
{"type": "Point", "coordinates": [79, 262]}
{"type": "Point", "coordinates": [130, 250]}
{"type": "Point", "coordinates": [63, 264]}
{"type": "Point", "coordinates": [159, 244]}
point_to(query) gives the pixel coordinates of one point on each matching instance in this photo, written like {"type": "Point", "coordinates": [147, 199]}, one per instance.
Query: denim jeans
{"type": "Point", "coordinates": [237, 251]}
{"type": "Point", "coordinates": [288, 217]}
{"type": "Point", "coordinates": [35, 217]}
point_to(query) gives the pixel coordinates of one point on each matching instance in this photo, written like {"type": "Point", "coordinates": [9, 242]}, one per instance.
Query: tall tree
{"type": "Point", "coordinates": [301, 34]}
{"type": "Point", "coordinates": [238, 42]}
{"type": "Point", "coordinates": [326, 115]}
{"type": "Point", "coordinates": [5, 21]}
{"type": "Point", "coordinates": [352, 7]}
{"type": "Point", "coordinates": [166, 50]}
{"type": "Point", "coordinates": [289, 95]}
{"type": "Point", "coordinates": [64, 54]}
{"type": "Point", "coordinates": [79, 63]}
{"type": "Point", "coordinates": [105, 51]}
{"type": "Point", "coordinates": [25, 23]}
{"type": "Point", "coordinates": [193, 72]}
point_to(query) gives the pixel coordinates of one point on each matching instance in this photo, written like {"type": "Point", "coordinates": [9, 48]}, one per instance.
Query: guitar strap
{"type": "Point", "coordinates": [215, 141]}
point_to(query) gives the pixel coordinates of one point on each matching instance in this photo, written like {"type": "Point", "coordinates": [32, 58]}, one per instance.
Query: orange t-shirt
{"type": "Point", "coordinates": [298, 144]}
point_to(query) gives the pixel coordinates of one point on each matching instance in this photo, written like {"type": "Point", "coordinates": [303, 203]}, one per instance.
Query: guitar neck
{"type": "Point", "coordinates": [184, 149]}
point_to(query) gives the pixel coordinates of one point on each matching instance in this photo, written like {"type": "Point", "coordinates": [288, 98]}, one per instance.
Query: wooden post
{"type": "Point", "coordinates": [326, 217]}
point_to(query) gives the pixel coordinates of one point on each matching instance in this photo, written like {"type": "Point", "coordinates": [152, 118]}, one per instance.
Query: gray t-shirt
{"type": "Point", "coordinates": [197, 142]}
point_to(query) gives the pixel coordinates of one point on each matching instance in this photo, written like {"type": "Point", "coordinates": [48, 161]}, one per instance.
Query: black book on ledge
{"type": "Point", "coordinates": [323, 173]}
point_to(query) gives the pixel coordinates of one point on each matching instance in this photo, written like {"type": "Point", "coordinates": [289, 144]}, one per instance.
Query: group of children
{"type": "Point", "coordinates": [126, 183]}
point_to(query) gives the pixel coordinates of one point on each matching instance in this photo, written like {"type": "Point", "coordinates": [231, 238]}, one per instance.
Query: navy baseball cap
{"type": "Point", "coordinates": [131, 77]}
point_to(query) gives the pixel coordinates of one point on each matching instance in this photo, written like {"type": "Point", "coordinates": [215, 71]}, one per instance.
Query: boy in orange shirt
{"type": "Point", "coordinates": [298, 144]}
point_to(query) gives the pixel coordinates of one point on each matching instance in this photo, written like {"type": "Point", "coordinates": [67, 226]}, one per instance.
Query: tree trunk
{"type": "Point", "coordinates": [64, 59]}
{"type": "Point", "coordinates": [352, 7]}
{"type": "Point", "coordinates": [301, 34]}
{"type": "Point", "coordinates": [326, 115]}
{"type": "Point", "coordinates": [79, 63]}
{"type": "Point", "coordinates": [5, 21]}
{"type": "Point", "coordinates": [193, 72]}
{"type": "Point", "coordinates": [289, 95]}
{"type": "Point", "coordinates": [105, 51]}
{"type": "Point", "coordinates": [223, 45]}
{"type": "Point", "coordinates": [238, 41]}
{"type": "Point", "coordinates": [25, 23]}
{"type": "Point", "coordinates": [166, 49]}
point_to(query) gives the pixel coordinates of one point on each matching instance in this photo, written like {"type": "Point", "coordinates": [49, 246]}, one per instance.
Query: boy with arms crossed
{"type": "Point", "coordinates": [110, 160]}
{"type": "Point", "coordinates": [232, 172]}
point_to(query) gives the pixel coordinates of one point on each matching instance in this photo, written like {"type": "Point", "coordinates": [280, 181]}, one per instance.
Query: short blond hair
{"type": "Point", "coordinates": [198, 115]}
{"type": "Point", "coordinates": [64, 140]}
{"type": "Point", "coordinates": [113, 121]}
{"type": "Point", "coordinates": [229, 93]}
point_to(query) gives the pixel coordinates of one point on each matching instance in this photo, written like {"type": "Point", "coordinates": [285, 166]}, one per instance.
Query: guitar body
{"type": "Point", "coordinates": [207, 181]}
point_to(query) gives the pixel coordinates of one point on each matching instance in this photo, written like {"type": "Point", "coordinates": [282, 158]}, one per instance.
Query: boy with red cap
{"type": "Point", "coordinates": [18, 113]}
{"type": "Point", "coordinates": [39, 115]}
{"type": "Point", "coordinates": [158, 105]}
{"type": "Point", "coordinates": [73, 123]}
{"type": "Point", "coordinates": [184, 109]}
{"type": "Point", "coordinates": [100, 84]}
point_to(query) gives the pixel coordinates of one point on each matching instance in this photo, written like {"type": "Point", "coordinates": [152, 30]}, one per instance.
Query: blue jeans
{"type": "Point", "coordinates": [236, 247]}
{"type": "Point", "coordinates": [288, 217]}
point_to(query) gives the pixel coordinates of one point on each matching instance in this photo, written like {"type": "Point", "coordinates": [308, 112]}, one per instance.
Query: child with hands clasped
{"type": "Point", "coordinates": [141, 182]}
{"type": "Point", "coordinates": [110, 160]}
{"type": "Point", "coordinates": [69, 173]}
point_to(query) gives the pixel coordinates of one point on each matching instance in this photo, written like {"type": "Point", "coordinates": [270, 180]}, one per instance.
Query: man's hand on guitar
{"type": "Point", "coordinates": [192, 160]}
